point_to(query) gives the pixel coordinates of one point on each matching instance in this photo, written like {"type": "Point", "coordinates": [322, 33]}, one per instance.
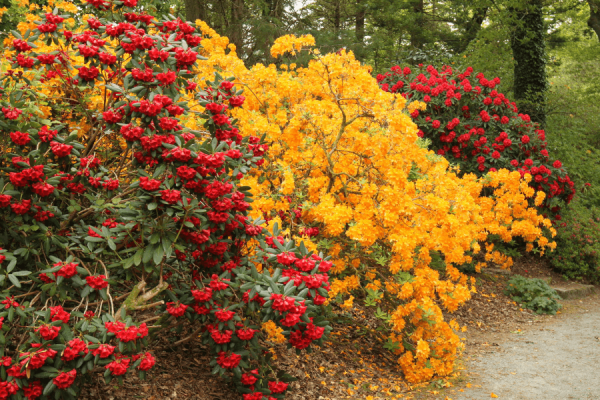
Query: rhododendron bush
{"type": "Point", "coordinates": [471, 123]}
{"type": "Point", "coordinates": [347, 172]}
{"type": "Point", "coordinates": [102, 249]}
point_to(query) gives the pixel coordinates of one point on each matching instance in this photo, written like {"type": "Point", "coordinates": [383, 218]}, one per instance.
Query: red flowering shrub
{"type": "Point", "coordinates": [86, 246]}
{"type": "Point", "coordinates": [472, 124]}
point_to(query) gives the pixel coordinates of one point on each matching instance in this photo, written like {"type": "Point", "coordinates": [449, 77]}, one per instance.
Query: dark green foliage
{"type": "Point", "coordinates": [577, 253]}
{"type": "Point", "coordinates": [528, 45]}
{"type": "Point", "coordinates": [534, 294]}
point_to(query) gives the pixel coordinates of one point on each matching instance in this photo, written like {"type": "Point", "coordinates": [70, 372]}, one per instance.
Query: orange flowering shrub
{"type": "Point", "coordinates": [346, 172]}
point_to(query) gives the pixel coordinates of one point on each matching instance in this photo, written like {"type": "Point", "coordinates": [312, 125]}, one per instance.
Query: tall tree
{"type": "Point", "coordinates": [529, 52]}
{"type": "Point", "coordinates": [195, 9]}
{"type": "Point", "coordinates": [360, 20]}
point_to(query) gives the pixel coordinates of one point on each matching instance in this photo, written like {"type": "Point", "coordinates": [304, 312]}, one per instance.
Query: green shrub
{"type": "Point", "coordinates": [534, 294]}
{"type": "Point", "coordinates": [577, 253]}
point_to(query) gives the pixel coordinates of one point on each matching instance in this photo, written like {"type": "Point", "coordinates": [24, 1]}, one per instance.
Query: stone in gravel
{"type": "Point", "coordinates": [576, 291]}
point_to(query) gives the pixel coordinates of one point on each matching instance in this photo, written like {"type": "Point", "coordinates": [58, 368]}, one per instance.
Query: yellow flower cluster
{"type": "Point", "coordinates": [273, 332]}
{"type": "Point", "coordinates": [291, 44]}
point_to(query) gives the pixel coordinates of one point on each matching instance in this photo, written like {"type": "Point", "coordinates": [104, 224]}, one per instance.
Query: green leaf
{"type": "Point", "coordinates": [111, 244]}
{"type": "Point", "coordinates": [158, 255]}
{"type": "Point", "coordinates": [14, 281]}
{"type": "Point", "coordinates": [50, 386]}
{"type": "Point", "coordinates": [137, 258]}
{"type": "Point", "coordinates": [148, 251]}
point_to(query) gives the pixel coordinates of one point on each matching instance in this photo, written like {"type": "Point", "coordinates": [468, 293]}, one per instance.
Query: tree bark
{"type": "Point", "coordinates": [276, 9]}
{"type": "Point", "coordinates": [417, 37]}
{"type": "Point", "coordinates": [529, 53]}
{"type": "Point", "coordinates": [195, 9]}
{"type": "Point", "coordinates": [237, 25]}
{"type": "Point", "coordinates": [337, 16]}
{"type": "Point", "coordinates": [594, 20]}
{"type": "Point", "coordinates": [360, 21]}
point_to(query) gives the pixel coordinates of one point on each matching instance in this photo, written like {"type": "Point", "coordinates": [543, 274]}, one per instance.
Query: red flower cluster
{"type": "Point", "coordinates": [97, 282]}
{"type": "Point", "coordinates": [470, 122]}
{"type": "Point", "coordinates": [126, 333]}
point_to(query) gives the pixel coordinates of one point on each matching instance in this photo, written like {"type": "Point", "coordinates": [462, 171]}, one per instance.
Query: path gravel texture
{"type": "Point", "coordinates": [557, 361]}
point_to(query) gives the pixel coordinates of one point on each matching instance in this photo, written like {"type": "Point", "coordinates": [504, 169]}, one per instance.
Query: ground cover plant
{"type": "Point", "coordinates": [117, 213]}
{"type": "Point", "coordinates": [534, 294]}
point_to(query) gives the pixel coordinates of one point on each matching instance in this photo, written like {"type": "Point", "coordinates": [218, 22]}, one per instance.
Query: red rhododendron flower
{"type": "Point", "coordinates": [97, 282]}
{"type": "Point", "coordinates": [33, 390]}
{"type": "Point", "coordinates": [42, 189]}
{"type": "Point", "coordinates": [170, 196]}
{"type": "Point", "coordinates": [65, 379]}
{"type": "Point", "coordinates": [221, 337]}
{"type": "Point", "coordinates": [252, 396]}
{"type": "Point", "coordinates": [202, 295]}
{"type": "Point", "coordinates": [57, 313]}
{"type": "Point", "coordinates": [246, 333]}
{"type": "Point", "coordinates": [73, 349]}
{"type": "Point", "coordinates": [147, 363]}
{"type": "Point", "coordinates": [149, 184]}
{"type": "Point", "coordinates": [21, 207]}
{"type": "Point", "coordinates": [228, 361]}
{"type": "Point", "coordinates": [20, 138]}
{"type": "Point", "coordinates": [11, 112]}
{"type": "Point", "coordinates": [48, 332]}
{"type": "Point", "coordinates": [103, 350]}
{"type": "Point", "coordinates": [286, 258]}
{"type": "Point", "coordinates": [176, 310]}
{"type": "Point", "coordinates": [119, 367]}
{"type": "Point", "coordinates": [224, 315]}
{"type": "Point", "coordinates": [128, 334]}
{"type": "Point", "coordinates": [88, 74]}
{"type": "Point", "coordinates": [46, 135]}
{"type": "Point", "coordinates": [5, 200]}
{"type": "Point", "coordinates": [278, 387]}
{"type": "Point", "coordinates": [249, 379]}
{"type": "Point", "coordinates": [67, 270]}
{"type": "Point", "coordinates": [60, 149]}
{"type": "Point", "coordinates": [111, 184]}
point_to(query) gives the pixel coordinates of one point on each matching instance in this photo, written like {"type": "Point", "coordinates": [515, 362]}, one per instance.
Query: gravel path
{"type": "Point", "coordinates": [558, 361]}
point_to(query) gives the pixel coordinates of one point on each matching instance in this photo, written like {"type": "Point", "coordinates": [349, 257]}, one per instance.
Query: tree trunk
{"type": "Point", "coordinates": [417, 37]}
{"type": "Point", "coordinates": [529, 53]}
{"type": "Point", "coordinates": [337, 17]}
{"type": "Point", "coordinates": [237, 25]}
{"type": "Point", "coordinates": [360, 21]}
{"type": "Point", "coordinates": [195, 9]}
{"type": "Point", "coordinates": [594, 20]}
{"type": "Point", "coordinates": [276, 9]}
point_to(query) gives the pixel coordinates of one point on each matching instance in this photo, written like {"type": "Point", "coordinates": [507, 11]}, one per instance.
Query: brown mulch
{"type": "Point", "coordinates": [181, 373]}
{"type": "Point", "coordinates": [353, 364]}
